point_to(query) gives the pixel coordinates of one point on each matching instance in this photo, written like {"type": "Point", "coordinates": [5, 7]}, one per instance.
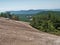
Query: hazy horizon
{"type": "Point", "coordinates": [13, 5]}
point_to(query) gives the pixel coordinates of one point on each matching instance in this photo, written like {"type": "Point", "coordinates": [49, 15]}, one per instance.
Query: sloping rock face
{"type": "Point", "coordinates": [21, 33]}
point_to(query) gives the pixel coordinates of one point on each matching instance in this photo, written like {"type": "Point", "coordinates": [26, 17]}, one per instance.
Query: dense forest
{"type": "Point", "coordinates": [47, 21]}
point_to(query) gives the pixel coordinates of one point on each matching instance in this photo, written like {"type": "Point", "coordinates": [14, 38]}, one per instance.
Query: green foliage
{"type": "Point", "coordinates": [10, 16]}
{"type": "Point", "coordinates": [47, 21]}
{"type": "Point", "coordinates": [21, 17]}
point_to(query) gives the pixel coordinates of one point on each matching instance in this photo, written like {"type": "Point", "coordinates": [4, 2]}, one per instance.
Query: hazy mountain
{"type": "Point", "coordinates": [32, 11]}
{"type": "Point", "coordinates": [26, 11]}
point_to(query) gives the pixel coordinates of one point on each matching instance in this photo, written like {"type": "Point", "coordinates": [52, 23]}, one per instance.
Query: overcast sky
{"type": "Point", "coordinates": [6, 5]}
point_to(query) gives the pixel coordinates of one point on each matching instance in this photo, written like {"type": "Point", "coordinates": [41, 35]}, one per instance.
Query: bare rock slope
{"type": "Point", "coordinates": [21, 33]}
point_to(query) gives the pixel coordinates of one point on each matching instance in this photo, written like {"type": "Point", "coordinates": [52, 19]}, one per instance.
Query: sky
{"type": "Point", "coordinates": [8, 5]}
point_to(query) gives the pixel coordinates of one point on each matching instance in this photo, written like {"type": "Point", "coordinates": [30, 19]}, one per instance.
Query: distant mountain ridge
{"type": "Point", "coordinates": [32, 11]}
{"type": "Point", "coordinates": [26, 11]}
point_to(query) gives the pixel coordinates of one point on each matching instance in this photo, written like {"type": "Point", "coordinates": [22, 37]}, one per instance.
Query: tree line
{"type": "Point", "coordinates": [18, 17]}
{"type": "Point", "coordinates": [47, 21]}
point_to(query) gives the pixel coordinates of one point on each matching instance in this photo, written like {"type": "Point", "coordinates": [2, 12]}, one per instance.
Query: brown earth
{"type": "Point", "coordinates": [21, 33]}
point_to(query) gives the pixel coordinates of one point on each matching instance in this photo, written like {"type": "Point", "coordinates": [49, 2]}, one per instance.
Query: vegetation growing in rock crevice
{"type": "Point", "coordinates": [48, 21]}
